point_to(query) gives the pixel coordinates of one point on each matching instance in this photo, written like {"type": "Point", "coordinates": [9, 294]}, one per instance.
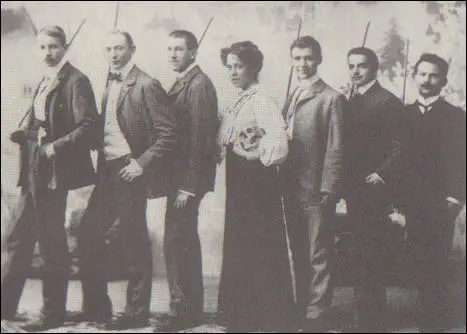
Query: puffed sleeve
{"type": "Point", "coordinates": [273, 146]}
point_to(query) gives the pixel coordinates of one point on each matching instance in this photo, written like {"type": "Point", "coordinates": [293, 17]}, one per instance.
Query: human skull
{"type": "Point", "coordinates": [250, 137]}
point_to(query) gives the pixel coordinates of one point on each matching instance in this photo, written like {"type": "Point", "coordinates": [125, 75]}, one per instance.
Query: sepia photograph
{"type": "Point", "coordinates": [233, 166]}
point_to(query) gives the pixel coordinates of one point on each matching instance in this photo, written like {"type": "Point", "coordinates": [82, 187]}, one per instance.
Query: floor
{"type": "Point", "coordinates": [401, 302]}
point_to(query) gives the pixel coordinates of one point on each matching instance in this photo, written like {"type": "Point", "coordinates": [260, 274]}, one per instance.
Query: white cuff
{"type": "Point", "coordinates": [187, 193]}
{"type": "Point", "coordinates": [382, 180]}
{"type": "Point", "coordinates": [50, 150]}
{"type": "Point", "coordinates": [454, 201]}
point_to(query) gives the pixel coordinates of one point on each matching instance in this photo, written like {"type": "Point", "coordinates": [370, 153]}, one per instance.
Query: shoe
{"type": "Point", "coordinates": [129, 322]}
{"type": "Point", "coordinates": [42, 325]}
{"type": "Point", "coordinates": [321, 324]}
{"type": "Point", "coordinates": [14, 317]}
{"type": "Point", "coordinates": [174, 323]}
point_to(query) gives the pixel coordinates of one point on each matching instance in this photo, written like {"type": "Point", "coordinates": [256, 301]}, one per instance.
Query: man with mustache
{"type": "Point", "coordinates": [435, 176]}
{"type": "Point", "coordinates": [135, 139]}
{"type": "Point", "coordinates": [193, 100]}
{"type": "Point", "coordinates": [373, 151]}
{"type": "Point", "coordinates": [55, 158]}
{"type": "Point", "coordinates": [312, 176]}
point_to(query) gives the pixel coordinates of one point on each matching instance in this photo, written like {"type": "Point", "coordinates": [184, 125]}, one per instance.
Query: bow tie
{"type": "Point", "coordinates": [115, 76]}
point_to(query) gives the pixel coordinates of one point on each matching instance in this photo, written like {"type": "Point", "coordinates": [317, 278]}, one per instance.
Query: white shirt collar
{"type": "Point", "coordinates": [365, 88]}
{"type": "Point", "coordinates": [125, 70]}
{"type": "Point", "coordinates": [185, 72]}
{"type": "Point", "coordinates": [52, 72]}
{"type": "Point", "coordinates": [428, 101]}
{"type": "Point", "coordinates": [306, 84]}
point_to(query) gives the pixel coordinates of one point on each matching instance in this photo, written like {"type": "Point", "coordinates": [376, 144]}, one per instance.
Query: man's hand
{"type": "Point", "coordinates": [252, 155]}
{"type": "Point", "coordinates": [374, 179]}
{"type": "Point", "coordinates": [18, 137]}
{"type": "Point", "coordinates": [48, 151]}
{"type": "Point", "coordinates": [181, 200]}
{"type": "Point", "coordinates": [454, 206]}
{"type": "Point", "coordinates": [131, 171]}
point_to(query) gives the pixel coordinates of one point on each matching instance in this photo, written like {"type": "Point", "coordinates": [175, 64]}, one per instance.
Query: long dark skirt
{"type": "Point", "coordinates": [256, 285]}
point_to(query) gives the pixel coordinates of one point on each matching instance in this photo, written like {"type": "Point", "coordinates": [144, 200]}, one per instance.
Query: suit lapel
{"type": "Point", "coordinates": [60, 76]}
{"type": "Point", "coordinates": [317, 88]}
{"type": "Point", "coordinates": [129, 81]}
{"type": "Point", "coordinates": [181, 83]}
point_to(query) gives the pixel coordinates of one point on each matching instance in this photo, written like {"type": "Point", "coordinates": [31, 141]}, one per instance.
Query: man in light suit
{"type": "Point", "coordinates": [312, 177]}
{"type": "Point", "coordinates": [434, 180]}
{"type": "Point", "coordinates": [55, 158]}
{"type": "Point", "coordinates": [193, 100]}
{"type": "Point", "coordinates": [373, 151]}
{"type": "Point", "coordinates": [135, 139]}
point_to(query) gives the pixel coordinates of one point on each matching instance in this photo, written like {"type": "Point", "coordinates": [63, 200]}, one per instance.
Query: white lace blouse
{"type": "Point", "coordinates": [253, 126]}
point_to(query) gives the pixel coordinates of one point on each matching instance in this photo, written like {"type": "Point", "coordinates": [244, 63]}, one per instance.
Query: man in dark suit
{"type": "Point", "coordinates": [193, 100]}
{"type": "Point", "coordinates": [312, 176]}
{"type": "Point", "coordinates": [136, 137]}
{"type": "Point", "coordinates": [373, 151]}
{"type": "Point", "coordinates": [55, 157]}
{"type": "Point", "coordinates": [435, 186]}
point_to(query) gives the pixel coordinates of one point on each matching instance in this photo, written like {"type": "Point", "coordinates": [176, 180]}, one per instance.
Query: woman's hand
{"type": "Point", "coordinates": [249, 155]}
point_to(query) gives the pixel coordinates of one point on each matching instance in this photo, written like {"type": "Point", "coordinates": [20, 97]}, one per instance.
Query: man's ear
{"type": "Point", "coordinates": [194, 53]}
{"type": "Point", "coordinates": [445, 82]}
{"type": "Point", "coordinates": [133, 49]}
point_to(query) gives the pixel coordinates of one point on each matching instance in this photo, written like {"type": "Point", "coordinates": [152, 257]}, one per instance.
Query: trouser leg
{"type": "Point", "coordinates": [50, 210]}
{"type": "Point", "coordinates": [20, 240]}
{"type": "Point", "coordinates": [321, 253]}
{"type": "Point", "coordinates": [182, 251]}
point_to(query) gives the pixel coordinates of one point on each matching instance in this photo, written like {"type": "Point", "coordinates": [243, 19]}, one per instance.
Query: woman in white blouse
{"type": "Point", "coordinates": [256, 286]}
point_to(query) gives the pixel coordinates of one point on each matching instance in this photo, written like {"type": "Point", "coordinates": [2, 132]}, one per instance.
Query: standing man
{"type": "Point", "coordinates": [312, 177]}
{"type": "Point", "coordinates": [136, 137]}
{"type": "Point", "coordinates": [372, 150]}
{"type": "Point", "coordinates": [436, 176]}
{"type": "Point", "coordinates": [55, 157]}
{"type": "Point", "coordinates": [193, 99]}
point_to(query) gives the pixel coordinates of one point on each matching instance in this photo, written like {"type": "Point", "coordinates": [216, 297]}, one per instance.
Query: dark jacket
{"type": "Point", "coordinates": [72, 115]}
{"type": "Point", "coordinates": [314, 165]}
{"type": "Point", "coordinates": [148, 127]}
{"type": "Point", "coordinates": [372, 136]}
{"type": "Point", "coordinates": [193, 100]}
{"type": "Point", "coordinates": [435, 154]}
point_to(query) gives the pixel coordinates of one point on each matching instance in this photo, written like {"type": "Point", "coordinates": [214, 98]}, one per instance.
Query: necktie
{"type": "Point", "coordinates": [355, 96]}
{"type": "Point", "coordinates": [423, 108]}
{"type": "Point", "coordinates": [115, 76]}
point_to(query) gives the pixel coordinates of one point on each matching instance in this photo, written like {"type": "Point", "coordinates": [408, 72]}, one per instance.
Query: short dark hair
{"type": "Point", "coordinates": [126, 34]}
{"type": "Point", "coordinates": [308, 42]}
{"type": "Point", "coordinates": [55, 32]}
{"type": "Point", "coordinates": [370, 55]}
{"type": "Point", "coordinates": [248, 52]}
{"type": "Point", "coordinates": [190, 39]}
{"type": "Point", "coordinates": [432, 58]}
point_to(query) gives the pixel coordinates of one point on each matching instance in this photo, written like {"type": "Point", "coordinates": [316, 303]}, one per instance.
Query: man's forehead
{"type": "Point", "coordinates": [428, 67]}
{"type": "Point", "coordinates": [177, 41]}
{"type": "Point", "coordinates": [358, 59]}
{"type": "Point", "coordinates": [302, 51]}
{"type": "Point", "coordinates": [115, 40]}
{"type": "Point", "coordinates": [46, 39]}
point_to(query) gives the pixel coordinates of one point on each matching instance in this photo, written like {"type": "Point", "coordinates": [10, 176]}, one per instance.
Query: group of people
{"type": "Point", "coordinates": [285, 171]}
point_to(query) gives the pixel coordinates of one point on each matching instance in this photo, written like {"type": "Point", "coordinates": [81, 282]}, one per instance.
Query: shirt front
{"type": "Point", "coordinates": [365, 88]}
{"type": "Point", "coordinates": [426, 104]}
{"type": "Point", "coordinates": [115, 143]}
{"type": "Point", "coordinates": [50, 75]}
